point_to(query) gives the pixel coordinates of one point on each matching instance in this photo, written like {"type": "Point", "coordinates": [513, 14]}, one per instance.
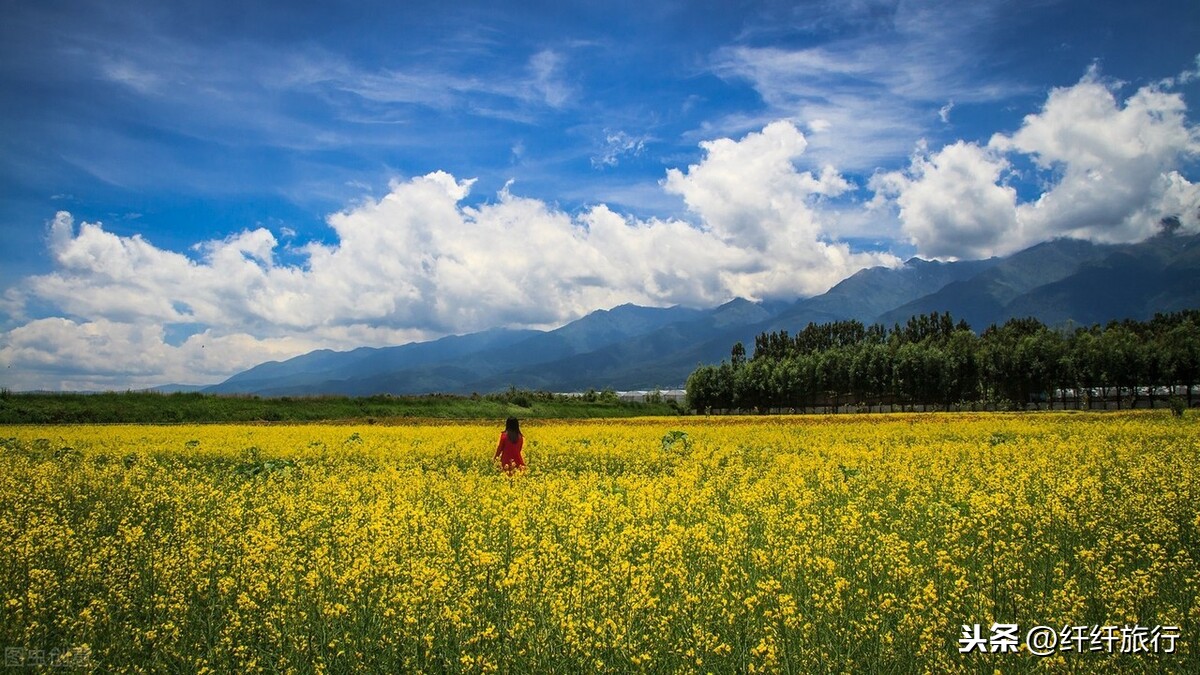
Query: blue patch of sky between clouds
{"type": "Point", "coordinates": [175, 334]}
{"type": "Point", "coordinates": [900, 249]}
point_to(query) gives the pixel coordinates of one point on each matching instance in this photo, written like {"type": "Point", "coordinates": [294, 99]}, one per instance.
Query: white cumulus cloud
{"type": "Point", "coordinates": [749, 191]}
{"type": "Point", "coordinates": [1110, 171]}
{"type": "Point", "coordinates": [951, 204]}
{"type": "Point", "coordinates": [62, 353]}
{"type": "Point", "coordinates": [1117, 163]}
{"type": "Point", "coordinates": [419, 263]}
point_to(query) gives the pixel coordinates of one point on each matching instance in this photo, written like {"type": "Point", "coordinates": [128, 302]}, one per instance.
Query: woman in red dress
{"type": "Point", "coordinates": [509, 449]}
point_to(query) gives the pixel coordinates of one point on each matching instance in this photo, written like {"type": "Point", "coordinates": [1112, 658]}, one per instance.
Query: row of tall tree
{"type": "Point", "coordinates": [934, 360]}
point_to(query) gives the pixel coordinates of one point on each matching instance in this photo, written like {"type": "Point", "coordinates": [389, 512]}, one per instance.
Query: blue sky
{"type": "Point", "coordinates": [187, 189]}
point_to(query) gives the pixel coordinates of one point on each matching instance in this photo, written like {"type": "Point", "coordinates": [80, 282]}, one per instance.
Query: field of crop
{"type": "Point", "coordinates": [858, 544]}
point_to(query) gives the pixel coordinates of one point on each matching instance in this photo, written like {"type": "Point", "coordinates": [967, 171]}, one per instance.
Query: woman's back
{"type": "Point", "coordinates": [508, 450]}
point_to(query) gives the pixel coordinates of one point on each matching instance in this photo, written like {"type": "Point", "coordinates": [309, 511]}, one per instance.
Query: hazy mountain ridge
{"type": "Point", "coordinates": [632, 347]}
{"type": "Point", "coordinates": [982, 298]}
{"type": "Point", "coordinates": [298, 375]}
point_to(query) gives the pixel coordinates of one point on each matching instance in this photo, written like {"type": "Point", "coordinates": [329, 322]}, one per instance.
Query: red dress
{"type": "Point", "coordinates": [510, 452]}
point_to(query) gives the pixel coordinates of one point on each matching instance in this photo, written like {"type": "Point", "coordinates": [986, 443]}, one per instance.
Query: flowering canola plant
{"type": "Point", "coordinates": [750, 544]}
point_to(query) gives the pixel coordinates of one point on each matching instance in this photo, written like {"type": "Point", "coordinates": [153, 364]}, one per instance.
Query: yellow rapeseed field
{"type": "Point", "coordinates": [856, 544]}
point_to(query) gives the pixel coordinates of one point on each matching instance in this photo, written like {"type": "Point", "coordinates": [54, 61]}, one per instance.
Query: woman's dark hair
{"type": "Point", "coordinates": [513, 428]}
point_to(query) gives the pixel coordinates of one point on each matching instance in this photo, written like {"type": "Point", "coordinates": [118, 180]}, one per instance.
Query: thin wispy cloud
{"type": "Point", "coordinates": [618, 144]}
{"type": "Point", "coordinates": [874, 93]}
{"type": "Point", "coordinates": [944, 112]}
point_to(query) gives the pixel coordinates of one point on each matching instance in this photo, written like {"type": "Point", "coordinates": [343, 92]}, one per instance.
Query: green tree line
{"type": "Point", "coordinates": [932, 360]}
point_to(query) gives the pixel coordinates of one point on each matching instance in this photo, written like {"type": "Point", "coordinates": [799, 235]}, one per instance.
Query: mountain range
{"type": "Point", "coordinates": [1060, 282]}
